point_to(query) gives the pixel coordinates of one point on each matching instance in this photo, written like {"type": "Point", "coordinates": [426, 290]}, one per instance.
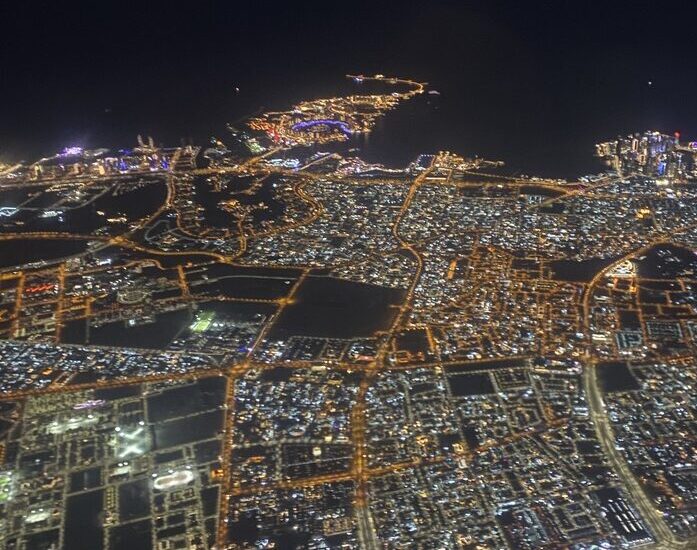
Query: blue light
{"type": "Point", "coordinates": [307, 124]}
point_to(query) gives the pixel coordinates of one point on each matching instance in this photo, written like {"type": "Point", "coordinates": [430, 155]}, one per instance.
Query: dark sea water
{"type": "Point", "coordinates": [532, 137]}
{"type": "Point", "coordinates": [532, 84]}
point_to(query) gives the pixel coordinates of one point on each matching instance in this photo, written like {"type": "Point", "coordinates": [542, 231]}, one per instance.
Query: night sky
{"type": "Point", "coordinates": [516, 78]}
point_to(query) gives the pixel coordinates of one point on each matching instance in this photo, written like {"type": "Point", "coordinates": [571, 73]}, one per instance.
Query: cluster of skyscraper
{"type": "Point", "coordinates": [651, 153]}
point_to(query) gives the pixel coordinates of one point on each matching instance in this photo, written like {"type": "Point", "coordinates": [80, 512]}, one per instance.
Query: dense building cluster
{"type": "Point", "coordinates": [651, 154]}
{"type": "Point", "coordinates": [277, 344]}
{"type": "Point", "coordinates": [653, 415]}
{"type": "Point", "coordinates": [27, 367]}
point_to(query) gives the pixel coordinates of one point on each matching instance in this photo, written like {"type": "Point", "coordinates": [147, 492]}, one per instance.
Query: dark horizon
{"type": "Point", "coordinates": [518, 83]}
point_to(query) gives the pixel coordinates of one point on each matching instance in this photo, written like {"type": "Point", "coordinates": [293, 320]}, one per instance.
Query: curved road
{"type": "Point", "coordinates": [665, 538]}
